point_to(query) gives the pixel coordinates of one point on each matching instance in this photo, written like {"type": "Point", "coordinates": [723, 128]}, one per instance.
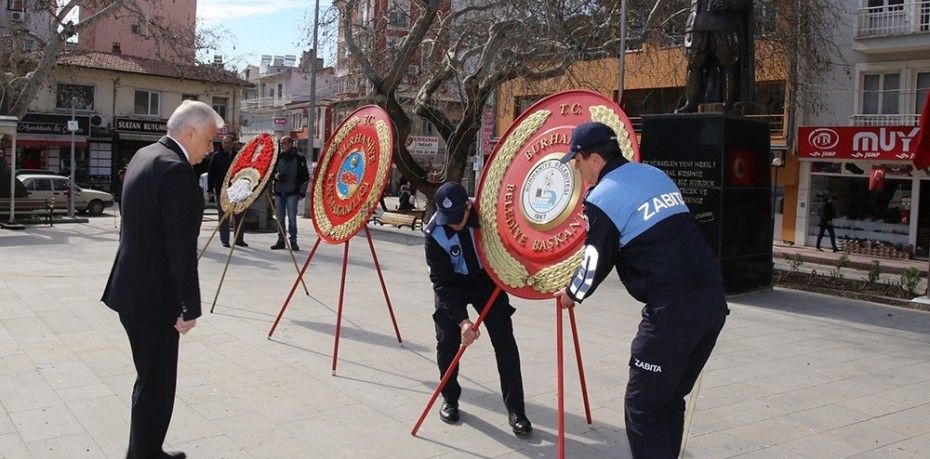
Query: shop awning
{"type": "Point", "coordinates": [140, 137]}
{"type": "Point", "coordinates": [41, 141]}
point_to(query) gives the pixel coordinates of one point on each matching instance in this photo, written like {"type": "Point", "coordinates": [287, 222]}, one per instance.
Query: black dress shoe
{"type": "Point", "coordinates": [520, 424]}
{"type": "Point", "coordinates": [226, 244]}
{"type": "Point", "coordinates": [819, 249]}
{"type": "Point", "coordinates": [242, 244]}
{"type": "Point", "coordinates": [295, 247]}
{"type": "Point", "coordinates": [278, 246]}
{"type": "Point", "coordinates": [449, 413]}
{"type": "Point", "coordinates": [174, 455]}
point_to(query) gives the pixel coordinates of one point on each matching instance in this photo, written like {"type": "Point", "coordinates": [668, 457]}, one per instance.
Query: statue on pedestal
{"type": "Point", "coordinates": [719, 46]}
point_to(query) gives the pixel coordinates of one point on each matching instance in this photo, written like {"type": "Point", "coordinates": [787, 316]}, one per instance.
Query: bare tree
{"type": "Point", "coordinates": [25, 71]}
{"type": "Point", "coordinates": [443, 62]}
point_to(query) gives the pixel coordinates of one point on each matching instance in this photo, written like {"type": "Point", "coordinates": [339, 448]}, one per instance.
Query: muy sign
{"type": "Point", "coordinates": [856, 142]}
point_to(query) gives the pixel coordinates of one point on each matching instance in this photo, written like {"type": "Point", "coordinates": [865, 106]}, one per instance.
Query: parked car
{"type": "Point", "coordinates": [34, 172]}
{"type": "Point", "coordinates": [56, 187]}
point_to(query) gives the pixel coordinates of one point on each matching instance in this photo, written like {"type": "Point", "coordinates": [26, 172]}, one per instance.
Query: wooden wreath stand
{"type": "Point", "coordinates": [559, 369]}
{"type": "Point", "coordinates": [232, 247]}
{"type": "Point", "coordinates": [342, 288]}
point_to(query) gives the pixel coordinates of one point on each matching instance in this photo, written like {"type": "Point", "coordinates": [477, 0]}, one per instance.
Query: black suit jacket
{"type": "Point", "coordinates": [154, 277]}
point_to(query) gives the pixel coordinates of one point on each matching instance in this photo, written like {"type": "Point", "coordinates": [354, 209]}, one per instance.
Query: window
{"type": "Point", "coordinates": [53, 162]}
{"type": "Point", "coordinates": [190, 97]}
{"type": "Point", "coordinates": [147, 103]}
{"type": "Point", "coordinates": [398, 14]}
{"type": "Point", "coordinates": [297, 121]}
{"type": "Point", "coordinates": [16, 5]}
{"type": "Point", "coordinates": [28, 44]}
{"type": "Point", "coordinates": [135, 29]}
{"type": "Point", "coordinates": [880, 93]}
{"type": "Point", "coordinates": [40, 185]}
{"type": "Point", "coordinates": [280, 90]}
{"type": "Point", "coordinates": [80, 96]}
{"type": "Point", "coordinates": [101, 155]}
{"type": "Point", "coordinates": [923, 88]}
{"type": "Point", "coordinates": [521, 103]}
{"type": "Point", "coordinates": [219, 106]}
{"type": "Point", "coordinates": [892, 5]}
{"type": "Point", "coordinates": [271, 93]}
{"type": "Point", "coordinates": [766, 14]}
{"type": "Point", "coordinates": [60, 184]}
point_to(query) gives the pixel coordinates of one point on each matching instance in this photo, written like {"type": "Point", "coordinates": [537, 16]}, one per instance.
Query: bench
{"type": "Point", "coordinates": [28, 207]}
{"type": "Point", "coordinates": [401, 218]}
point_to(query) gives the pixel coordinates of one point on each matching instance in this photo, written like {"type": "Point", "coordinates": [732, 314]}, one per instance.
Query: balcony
{"type": "Point", "coordinates": [260, 103]}
{"type": "Point", "coordinates": [902, 119]}
{"type": "Point", "coordinates": [893, 28]}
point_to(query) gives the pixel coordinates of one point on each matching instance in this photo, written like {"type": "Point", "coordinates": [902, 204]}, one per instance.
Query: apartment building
{"type": "Point", "coordinates": [122, 103]}
{"type": "Point", "coordinates": [855, 149]}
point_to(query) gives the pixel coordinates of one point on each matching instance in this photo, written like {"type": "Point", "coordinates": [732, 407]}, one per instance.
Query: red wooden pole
{"type": "Point", "coordinates": [455, 361]}
{"type": "Point", "coordinates": [342, 290]}
{"type": "Point", "coordinates": [559, 375]}
{"type": "Point", "coordinates": [374, 257]}
{"type": "Point", "coordinates": [294, 288]}
{"type": "Point", "coordinates": [584, 386]}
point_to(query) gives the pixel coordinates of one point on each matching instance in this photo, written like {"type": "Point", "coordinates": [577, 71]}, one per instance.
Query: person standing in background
{"type": "Point", "coordinates": [219, 166]}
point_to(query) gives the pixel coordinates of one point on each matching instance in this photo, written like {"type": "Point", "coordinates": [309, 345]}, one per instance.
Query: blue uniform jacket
{"type": "Point", "coordinates": [639, 224]}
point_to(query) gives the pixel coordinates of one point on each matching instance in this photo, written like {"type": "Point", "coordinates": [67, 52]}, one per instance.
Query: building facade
{"type": "Point", "coordinates": [30, 16]}
{"type": "Point", "coordinates": [154, 31]}
{"type": "Point", "coordinates": [856, 149]}
{"type": "Point", "coordinates": [121, 104]}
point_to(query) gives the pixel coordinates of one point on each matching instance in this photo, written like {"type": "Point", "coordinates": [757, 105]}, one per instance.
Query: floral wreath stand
{"type": "Point", "coordinates": [517, 168]}
{"type": "Point", "coordinates": [367, 132]}
{"type": "Point", "coordinates": [252, 166]}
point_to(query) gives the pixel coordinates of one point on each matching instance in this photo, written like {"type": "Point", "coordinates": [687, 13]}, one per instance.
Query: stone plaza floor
{"type": "Point", "coordinates": [794, 374]}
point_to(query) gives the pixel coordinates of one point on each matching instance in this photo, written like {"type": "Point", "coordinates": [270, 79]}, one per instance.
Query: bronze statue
{"type": "Point", "coordinates": [718, 42]}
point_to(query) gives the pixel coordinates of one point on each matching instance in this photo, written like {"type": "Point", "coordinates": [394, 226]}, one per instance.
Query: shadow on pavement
{"type": "Point", "coordinates": [839, 309]}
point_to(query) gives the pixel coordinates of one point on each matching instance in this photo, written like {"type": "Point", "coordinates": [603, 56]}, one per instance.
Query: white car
{"type": "Point", "coordinates": [56, 187]}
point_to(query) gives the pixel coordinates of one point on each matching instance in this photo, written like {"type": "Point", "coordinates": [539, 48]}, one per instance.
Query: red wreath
{"type": "Point", "coordinates": [262, 163]}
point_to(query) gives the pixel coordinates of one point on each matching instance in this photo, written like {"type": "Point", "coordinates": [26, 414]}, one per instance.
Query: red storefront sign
{"type": "Point", "coordinates": [856, 142]}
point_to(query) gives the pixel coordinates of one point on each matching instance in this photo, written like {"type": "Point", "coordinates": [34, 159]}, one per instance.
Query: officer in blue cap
{"type": "Point", "coordinates": [639, 224]}
{"type": "Point", "coordinates": [459, 279]}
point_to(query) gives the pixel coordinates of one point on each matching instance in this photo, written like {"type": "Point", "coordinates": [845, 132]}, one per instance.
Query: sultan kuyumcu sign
{"type": "Point", "coordinates": [530, 204]}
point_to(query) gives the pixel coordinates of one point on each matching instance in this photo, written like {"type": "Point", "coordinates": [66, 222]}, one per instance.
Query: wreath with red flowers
{"type": "Point", "coordinates": [254, 163]}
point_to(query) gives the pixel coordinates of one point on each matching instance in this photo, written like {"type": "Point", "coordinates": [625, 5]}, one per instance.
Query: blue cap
{"type": "Point", "coordinates": [588, 135]}
{"type": "Point", "coordinates": [451, 199]}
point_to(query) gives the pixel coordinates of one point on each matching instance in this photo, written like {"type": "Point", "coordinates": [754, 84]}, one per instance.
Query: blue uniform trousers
{"type": "Point", "coordinates": [670, 348]}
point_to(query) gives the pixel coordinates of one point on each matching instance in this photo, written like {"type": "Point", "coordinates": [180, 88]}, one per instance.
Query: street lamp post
{"type": "Point", "coordinates": [311, 112]}
{"type": "Point", "coordinates": [777, 163]}
{"type": "Point", "coordinates": [8, 125]}
{"type": "Point", "coordinates": [621, 63]}
{"type": "Point", "coordinates": [73, 127]}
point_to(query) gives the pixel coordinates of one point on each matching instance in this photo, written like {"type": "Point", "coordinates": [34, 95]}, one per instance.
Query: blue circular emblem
{"type": "Point", "coordinates": [350, 174]}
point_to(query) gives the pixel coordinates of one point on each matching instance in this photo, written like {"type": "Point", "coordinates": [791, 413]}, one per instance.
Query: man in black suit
{"type": "Point", "coordinates": [153, 284]}
{"type": "Point", "coordinates": [219, 165]}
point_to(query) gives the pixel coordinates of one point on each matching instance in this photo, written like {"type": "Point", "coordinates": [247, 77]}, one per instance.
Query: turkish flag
{"type": "Point", "coordinates": [921, 148]}
{"type": "Point", "coordinates": [877, 178]}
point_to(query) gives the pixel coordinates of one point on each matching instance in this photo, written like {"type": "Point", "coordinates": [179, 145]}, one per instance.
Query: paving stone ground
{"type": "Point", "coordinates": [794, 374]}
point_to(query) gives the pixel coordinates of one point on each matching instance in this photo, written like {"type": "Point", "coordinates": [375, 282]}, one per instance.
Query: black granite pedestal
{"type": "Point", "coordinates": [721, 164]}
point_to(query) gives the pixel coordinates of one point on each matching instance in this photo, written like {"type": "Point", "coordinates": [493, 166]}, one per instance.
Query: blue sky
{"type": "Point", "coordinates": [258, 27]}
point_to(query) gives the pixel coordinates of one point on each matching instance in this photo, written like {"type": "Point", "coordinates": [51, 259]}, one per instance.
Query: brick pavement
{"type": "Point", "coordinates": [795, 374]}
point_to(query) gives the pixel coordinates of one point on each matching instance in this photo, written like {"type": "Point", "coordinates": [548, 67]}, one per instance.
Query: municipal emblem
{"type": "Point", "coordinates": [351, 174]}
{"type": "Point", "coordinates": [353, 168]}
{"type": "Point", "coordinates": [550, 192]}
{"type": "Point", "coordinates": [532, 202]}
